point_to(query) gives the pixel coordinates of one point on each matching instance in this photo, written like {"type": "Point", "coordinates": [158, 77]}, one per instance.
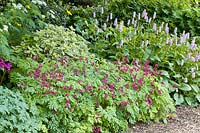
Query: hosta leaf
{"type": "Point", "coordinates": [178, 99]}
{"type": "Point", "coordinates": [165, 73]}
{"type": "Point", "coordinates": [185, 87]}
{"type": "Point", "coordinates": [195, 88]}
{"type": "Point", "coordinates": [198, 97]}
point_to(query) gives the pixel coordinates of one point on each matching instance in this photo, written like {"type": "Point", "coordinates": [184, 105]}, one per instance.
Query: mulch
{"type": "Point", "coordinates": [187, 121]}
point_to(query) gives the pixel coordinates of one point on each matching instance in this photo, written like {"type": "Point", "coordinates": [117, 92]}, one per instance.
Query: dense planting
{"type": "Point", "coordinates": [72, 68]}
{"type": "Point", "coordinates": [84, 94]}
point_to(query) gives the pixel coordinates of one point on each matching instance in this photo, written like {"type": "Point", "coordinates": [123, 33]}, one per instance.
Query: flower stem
{"type": "Point", "coordinates": [2, 77]}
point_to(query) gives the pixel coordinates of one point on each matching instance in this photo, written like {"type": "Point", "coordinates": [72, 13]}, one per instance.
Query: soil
{"type": "Point", "coordinates": [187, 121]}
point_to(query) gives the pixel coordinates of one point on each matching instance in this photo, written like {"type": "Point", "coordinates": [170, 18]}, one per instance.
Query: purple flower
{"type": "Point", "coordinates": [144, 13]}
{"type": "Point", "coordinates": [154, 26]}
{"type": "Point", "coordinates": [8, 66]}
{"type": "Point", "coordinates": [166, 28]}
{"type": "Point", "coordinates": [193, 45]}
{"type": "Point", "coordinates": [193, 74]}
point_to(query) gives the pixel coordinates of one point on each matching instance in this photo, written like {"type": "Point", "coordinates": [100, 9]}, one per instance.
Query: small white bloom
{"type": "Point", "coordinates": [111, 16]}
{"type": "Point", "coordinates": [128, 23]}
{"type": "Point", "coordinates": [154, 15]}
{"type": "Point", "coordinates": [133, 21]}
{"type": "Point", "coordinates": [175, 30]}
{"type": "Point", "coordinates": [134, 14]}
{"type": "Point", "coordinates": [185, 80]}
{"type": "Point", "coordinates": [102, 10]}
{"type": "Point", "coordinates": [150, 20]}
{"type": "Point", "coordinates": [5, 28]}
{"type": "Point", "coordinates": [147, 42]}
{"type": "Point", "coordinates": [121, 26]}
{"type": "Point", "coordinates": [138, 16]}
{"type": "Point", "coordinates": [104, 26]}
{"type": "Point", "coordinates": [94, 14]}
{"type": "Point", "coordinates": [115, 22]}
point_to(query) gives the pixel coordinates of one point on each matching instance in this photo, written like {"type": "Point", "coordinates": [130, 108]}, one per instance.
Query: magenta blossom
{"type": "Point", "coordinates": [5, 65]}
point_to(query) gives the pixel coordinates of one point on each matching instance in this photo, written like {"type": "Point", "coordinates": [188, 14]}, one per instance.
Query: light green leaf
{"type": "Point", "coordinates": [178, 99]}
{"type": "Point", "coordinates": [185, 87]}
{"type": "Point", "coordinates": [195, 88]}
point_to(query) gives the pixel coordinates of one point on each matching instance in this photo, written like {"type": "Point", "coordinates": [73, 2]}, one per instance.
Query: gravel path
{"type": "Point", "coordinates": [187, 121]}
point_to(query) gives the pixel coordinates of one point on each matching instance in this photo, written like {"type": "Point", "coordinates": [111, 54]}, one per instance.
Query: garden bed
{"type": "Point", "coordinates": [187, 120]}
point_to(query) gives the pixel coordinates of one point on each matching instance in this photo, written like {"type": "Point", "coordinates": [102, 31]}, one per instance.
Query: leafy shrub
{"type": "Point", "coordinates": [21, 17]}
{"type": "Point", "coordinates": [53, 42]}
{"type": "Point", "coordinates": [89, 95]}
{"type": "Point", "coordinates": [14, 113]}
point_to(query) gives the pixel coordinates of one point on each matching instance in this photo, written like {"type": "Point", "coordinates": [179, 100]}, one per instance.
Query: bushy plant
{"type": "Point", "coordinates": [15, 115]}
{"type": "Point", "coordinates": [21, 17]}
{"type": "Point", "coordinates": [142, 38]}
{"type": "Point", "coordinates": [53, 42]}
{"type": "Point", "coordinates": [88, 95]}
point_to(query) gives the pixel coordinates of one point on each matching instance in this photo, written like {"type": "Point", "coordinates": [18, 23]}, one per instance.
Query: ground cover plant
{"type": "Point", "coordinates": [87, 96]}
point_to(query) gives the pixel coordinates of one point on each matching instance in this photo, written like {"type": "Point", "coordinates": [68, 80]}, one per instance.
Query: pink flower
{"type": "Point", "coordinates": [90, 87]}
{"type": "Point", "coordinates": [36, 75]}
{"type": "Point", "coordinates": [135, 86]}
{"type": "Point", "coordinates": [106, 96]}
{"type": "Point", "coordinates": [124, 68]}
{"type": "Point", "coordinates": [124, 103]}
{"type": "Point", "coordinates": [105, 76]}
{"type": "Point", "coordinates": [121, 89]}
{"type": "Point", "coordinates": [82, 91]}
{"type": "Point", "coordinates": [170, 117]}
{"type": "Point", "coordinates": [160, 92]}
{"type": "Point", "coordinates": [119, 79]}
{"type": "Point", "coordinates": [127, 86]}
{"type": "Point", "coordinates": [140, 81]}
{"type": "Point", "coordinates": [149, 101]}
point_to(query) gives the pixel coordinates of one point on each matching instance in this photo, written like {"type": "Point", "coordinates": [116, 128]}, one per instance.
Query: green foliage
{"type": "Point", "coordinates": [21, 18]}
{"type": "Point", "coordinates": [86, 94]}
{"type": "Point", "coordinates": [177, 54]}
{"type": "Point", "coordinates": [15, 115]}
{"type": "Point", "coordinates": [53, 42]}
{"type": "Point", "coordinates": [4, 47]}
